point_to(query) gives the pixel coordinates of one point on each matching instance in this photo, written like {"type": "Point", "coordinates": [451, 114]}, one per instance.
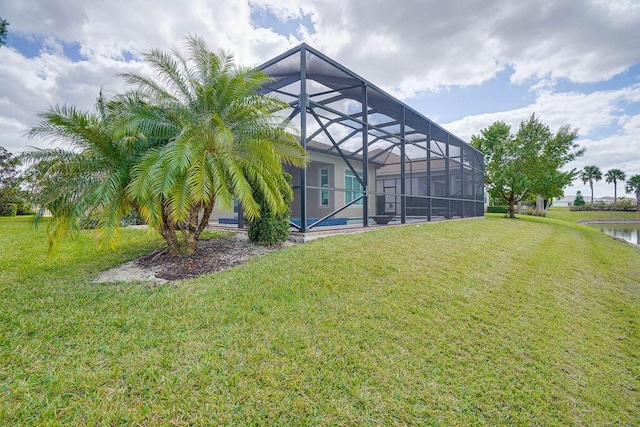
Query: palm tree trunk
{"type": "Point", "coordinates": [168, 231]}
{"type": "Point", "coordinates": [206, 214]}
{"type": "Point", "coordinates": [191, 239]}
{"type": "Point", "coordinates": [638, 200]}
{"type": "Point", "coordinates": [591, 185]}
{"type": "Point", "coordinates": [170, 236]}
{"type": "Point", "coordinates": [615, 193]}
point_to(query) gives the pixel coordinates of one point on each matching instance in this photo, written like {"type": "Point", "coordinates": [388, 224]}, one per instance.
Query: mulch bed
{"type": "Point", "coordinates": [211, 255]}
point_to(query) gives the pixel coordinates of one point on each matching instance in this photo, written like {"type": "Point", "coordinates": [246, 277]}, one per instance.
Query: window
{"type": "Point", "coordinates": [352, 183]}
{"type": "Point", "coordinates": [324, 182]}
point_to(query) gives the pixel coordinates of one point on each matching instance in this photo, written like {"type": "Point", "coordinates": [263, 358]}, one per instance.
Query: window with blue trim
{"type": "Point", "coordinates": [324, 182]}
{"type": "Point", "coordinates": [352, 183]}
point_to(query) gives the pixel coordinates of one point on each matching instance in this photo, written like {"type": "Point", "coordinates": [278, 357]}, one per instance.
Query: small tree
{"type": "Point", "coordinates": [9, 189]}
{"type": "Point", "coordinates": [590, 174]}
{"type": "Point", "coordinates": [613, 176]}
{"type": "Point", "coordinates": [633, 186]}
{"type": "Point", "coordinates": [579, 200]}
{"type": "Point", "coordinates": [519, 167]}
{"type": "Point", "coordinates": [226, 141]}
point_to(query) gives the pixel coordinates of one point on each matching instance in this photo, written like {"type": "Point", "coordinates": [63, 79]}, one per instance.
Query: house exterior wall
{"type": "Point", "coordinates": [315, 209]}
{"type": "Point", "coordinates": [337, 169]}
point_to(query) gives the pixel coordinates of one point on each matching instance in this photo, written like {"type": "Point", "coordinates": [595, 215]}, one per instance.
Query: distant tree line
{"type": "Point", "coordinates": [591, 174]}
{"type": "Point", "coordinates": [12, 196]}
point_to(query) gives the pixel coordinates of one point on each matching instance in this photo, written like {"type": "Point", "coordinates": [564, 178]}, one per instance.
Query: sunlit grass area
{"type": "Point", "coordinates": [565, 214]}
{"type": "Point", "coordinates": [492, 321]}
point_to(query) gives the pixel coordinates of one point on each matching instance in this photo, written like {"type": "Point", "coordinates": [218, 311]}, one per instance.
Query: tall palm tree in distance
{"type": "Point", "coordinates": [633, 186]}
{"type": "Point", "coordinates": [613, 176]}
{"type": "Point", "coordinates": [590, 174]}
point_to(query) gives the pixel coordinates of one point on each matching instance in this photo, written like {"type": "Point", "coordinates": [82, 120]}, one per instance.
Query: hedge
{"type": "Point", "coordinates": [8, 209]}
{"type": "Point", "coordinates": [497, 209]}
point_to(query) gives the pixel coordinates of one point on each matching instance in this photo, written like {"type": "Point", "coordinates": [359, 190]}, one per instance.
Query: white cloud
{"type": "Point", "coordinates": [619, 151]}
{"type": "Point", "coordinates": [104, 31]}
{"type": "Point", "coordinates": [413, 45]}
{"type": "Point", "coordinates": [587, 112]}
{"type": "Point", "coordinates": [110, 28]}
{"type": "Point", "coordinates": [405, 47]}
{"type": "Point", "coordinates": [32, 85]}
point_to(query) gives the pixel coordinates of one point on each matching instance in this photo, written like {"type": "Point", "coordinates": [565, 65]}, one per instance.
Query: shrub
{"type": "Point", "coordinates": [622, 205]}
{"type": "Point", "coordinates": [133, 218]}
{"type": "Point", "coordinates": [90, 221]}
{"type": "Point", "coordinates": [534, 212]}
{"type": "Point", "coordinates": [272, 228]}
{"type": "Point", "coordinates": [8, 209]}
{"type": "Point", "coordinates": [22, 206]}
{"type": "Point", "coordinates": [497, 209]}
{"type": "Point", "coordinates": [626, 205]}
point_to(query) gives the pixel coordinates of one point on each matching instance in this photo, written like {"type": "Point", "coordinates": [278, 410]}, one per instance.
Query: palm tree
{"type": "Point", "coordinates": [88, 171]}
{"type": "Point", "coordinates": [633, 186]}
{"type": "Point", "coordinates": [225, 141]}
{"type": "Point", "coordinates": [590, 174]}
{"type": "Point", "coordinates": [615, 175]}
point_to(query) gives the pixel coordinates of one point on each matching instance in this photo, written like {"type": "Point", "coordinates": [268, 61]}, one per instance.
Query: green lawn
{"type": "Point", "coordinates": [491, 321]}
{"type": "Point", "coordinates": [580, 216]}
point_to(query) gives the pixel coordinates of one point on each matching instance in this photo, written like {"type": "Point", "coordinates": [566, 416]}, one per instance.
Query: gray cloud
{"type": "Point", "coordinates": [406, 46]}
{"type": "Point", "coordinates": [413, 45]}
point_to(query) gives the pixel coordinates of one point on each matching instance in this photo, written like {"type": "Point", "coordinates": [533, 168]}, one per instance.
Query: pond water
{"type": "Point", "coordinates": [628, 232]}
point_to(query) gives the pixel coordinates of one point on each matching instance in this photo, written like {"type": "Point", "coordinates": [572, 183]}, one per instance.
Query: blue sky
{"type": "Point", "coordinates": [463, 64]}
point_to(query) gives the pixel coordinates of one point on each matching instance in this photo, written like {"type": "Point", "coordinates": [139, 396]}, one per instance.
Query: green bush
{"type": "Point", "coordinates": [530, 210]}
{"type": "Point", "coordinates": [498, 209]}
{"type": "Point", "coordinates": [90, 221]}
{"type": "Point", "coordinates": [8, 209]}
{"type": "Point", "coordinates": [622, 205]}
{"type": "Point", "coordinates": [133, 218]}
{"type": "Point", "coordinates": [626, 205]}
{"type": "Point", "coordinates": [22, 206]}
{"type": "Point", "coordinates": [272, 228]}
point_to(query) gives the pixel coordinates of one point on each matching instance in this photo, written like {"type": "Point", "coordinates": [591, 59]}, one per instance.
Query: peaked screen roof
{"type": "Point", "coordinates": [288, 68]}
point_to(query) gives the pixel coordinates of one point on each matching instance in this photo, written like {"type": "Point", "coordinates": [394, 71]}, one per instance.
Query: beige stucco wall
{"type": "Point", "coordinates": [337, 168]}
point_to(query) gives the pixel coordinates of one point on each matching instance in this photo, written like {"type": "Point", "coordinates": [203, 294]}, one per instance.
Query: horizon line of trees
{"type": "Point", "coordinates": [592, 174]}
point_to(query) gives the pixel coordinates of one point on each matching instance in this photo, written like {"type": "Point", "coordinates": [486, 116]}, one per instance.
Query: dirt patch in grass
{"type": "Point", "coordinates": [212, 255]}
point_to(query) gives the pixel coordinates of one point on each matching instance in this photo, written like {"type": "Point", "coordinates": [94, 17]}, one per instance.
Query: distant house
{"type": "Point", "coordinates": [564, 201]}
{"type": "Point", "coordinates": [568, 200]}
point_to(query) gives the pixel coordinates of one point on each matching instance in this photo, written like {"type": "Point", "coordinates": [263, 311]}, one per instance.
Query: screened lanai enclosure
{"type": "Point", "coordinates": [372, 158]}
